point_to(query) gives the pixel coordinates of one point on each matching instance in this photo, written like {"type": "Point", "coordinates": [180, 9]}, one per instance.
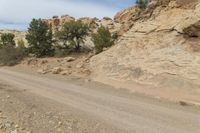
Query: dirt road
{"type": "Point", "coordinates": [102, 106]}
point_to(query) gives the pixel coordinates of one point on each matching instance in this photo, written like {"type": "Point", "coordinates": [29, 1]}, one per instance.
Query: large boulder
{"type": "Point", "coordinates": [107, 22]}
{"type": "Point", "coordinates": [190, 25]}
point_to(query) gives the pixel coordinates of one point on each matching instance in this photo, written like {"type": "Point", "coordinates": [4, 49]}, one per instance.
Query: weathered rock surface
{"type": "Point", "coordinates": [57, 70]}
{"type": "Point", "coordinates": [162, 49]}
{"type": "Point", "coordinates": [69, 59]}
{"type": "Point", "coordinates": [57, 21]}
{"type": "Point", "coordinates": [42, 71]}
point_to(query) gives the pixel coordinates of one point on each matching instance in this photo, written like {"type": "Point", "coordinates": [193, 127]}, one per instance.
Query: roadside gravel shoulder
{"type": "Point", "coordinates": [24, 112]}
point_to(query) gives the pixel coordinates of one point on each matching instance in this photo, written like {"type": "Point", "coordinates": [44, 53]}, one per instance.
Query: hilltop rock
{"type": "Point", "coordinates": [126, 15]}
{"type": "Point", "coordinates": [126, 19]}
{"type": "Point", "coordinates": [92, 22]}
{"type": "Point", "coordinates": [57, 21]}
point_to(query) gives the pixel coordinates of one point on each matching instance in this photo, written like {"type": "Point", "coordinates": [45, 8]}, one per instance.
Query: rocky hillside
{"type": "Point", "coordinates": [161, 46]}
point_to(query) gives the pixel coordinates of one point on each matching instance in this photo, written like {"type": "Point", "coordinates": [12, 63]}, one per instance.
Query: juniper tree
{"type": "Point", "coordinates": [102, 39]}
{"type": "Point", "coordinates": [142, 3]}
{"type": "Point", "coordinates": [73, 33]}
{"type": "Point", "coordinates": [40, 38]}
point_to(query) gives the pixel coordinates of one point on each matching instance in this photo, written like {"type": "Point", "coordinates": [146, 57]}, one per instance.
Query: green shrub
{"type": "Point", "coordinates": [73, 33]}
{"type": "Point", "coordinates": [102, 39]}
{"type": "Point", "coordinates": [40, 38]}
{"type": "Point", "coordinates": [10, 55]}
{"type": "Point", "coordinates": [142, 3]}
{"type": "Point", "coordinates": [7, 39]}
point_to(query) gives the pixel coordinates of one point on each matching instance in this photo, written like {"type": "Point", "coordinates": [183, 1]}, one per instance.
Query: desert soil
{"type": "Point", "coordinates": [49, 104]}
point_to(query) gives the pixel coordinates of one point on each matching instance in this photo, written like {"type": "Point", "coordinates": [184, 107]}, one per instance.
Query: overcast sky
{"type": "Point", "coordinates": [16, 14]}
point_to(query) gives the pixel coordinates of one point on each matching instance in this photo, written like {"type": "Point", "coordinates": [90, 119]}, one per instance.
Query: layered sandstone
{"type": "Point", "coordinates": [160, 48]}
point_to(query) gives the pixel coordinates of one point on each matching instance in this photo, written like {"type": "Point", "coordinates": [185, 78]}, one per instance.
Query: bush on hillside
{"type": "Point", "coordinates": [102, 39]}
{"type": "Point", "coordinates": [9, 55]}
{"type": "Point", "coordinates": [7, 39]}
{"type": "Point", "coordinates": [40, 38]}
{"type": "Point", "coordinates": [142, 3]}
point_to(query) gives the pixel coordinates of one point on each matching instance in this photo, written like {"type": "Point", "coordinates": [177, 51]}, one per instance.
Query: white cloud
{"type": "Point", "coordinates": [20, 12]}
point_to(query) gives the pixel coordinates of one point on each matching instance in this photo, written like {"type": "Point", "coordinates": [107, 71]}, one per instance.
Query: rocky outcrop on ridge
{"type": "Point", "coordinates": [19, 35]}
{"type": "Point", "coordinates": [94, 23]}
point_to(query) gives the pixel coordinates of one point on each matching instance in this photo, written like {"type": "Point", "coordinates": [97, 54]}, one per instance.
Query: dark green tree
{"type": "Point", "coordinates": [40, 38]}
{"type": "Point", "coordinates": [102, 39]}
{"type": "Point", "coordinates": [142, 3]}
{"type": "Point", "coordinates": [73, 34]}
{"type": "Point", "coordinates": [7, 39]}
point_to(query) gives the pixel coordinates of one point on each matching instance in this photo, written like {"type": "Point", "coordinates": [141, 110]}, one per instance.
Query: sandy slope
{"type": "Point", "coordinates": [95, 107]}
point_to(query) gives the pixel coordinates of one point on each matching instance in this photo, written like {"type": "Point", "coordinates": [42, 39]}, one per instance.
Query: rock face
{"type": "Point", "coordinates": [92, 22]}
{"type": "Point", "coordinates": [126, 18]}
{"type": "Point", "coordinates": [57, 21]}
{"type": "Point", "coordinates": [162, 48]}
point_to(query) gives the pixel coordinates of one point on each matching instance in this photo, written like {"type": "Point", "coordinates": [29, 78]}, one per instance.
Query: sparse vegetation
{"type": "Point", "coordinates": [21, 43]}
{"type": "Point", "coordinates": [10, 55]}
{"type": "Point", "coordinates": [102, 39]}
{"type": "Point", "coordinates": [73, 34]}
{"type": "Point", "coordinates": [7, 39]}
{"type": "Point", "coordinates": [62, 52]}
{"type": "Point", "coordinates": [142, 3]}
{"type": "Point", "coordinates": [40, 38]}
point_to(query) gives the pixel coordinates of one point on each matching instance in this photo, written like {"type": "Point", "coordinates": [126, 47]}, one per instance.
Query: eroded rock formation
{"type": "Point", "coordinates": [161, 47]}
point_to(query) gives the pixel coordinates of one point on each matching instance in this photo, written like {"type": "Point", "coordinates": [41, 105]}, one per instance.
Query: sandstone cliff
{"type": "Point", "coordinates": [161, 46]}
